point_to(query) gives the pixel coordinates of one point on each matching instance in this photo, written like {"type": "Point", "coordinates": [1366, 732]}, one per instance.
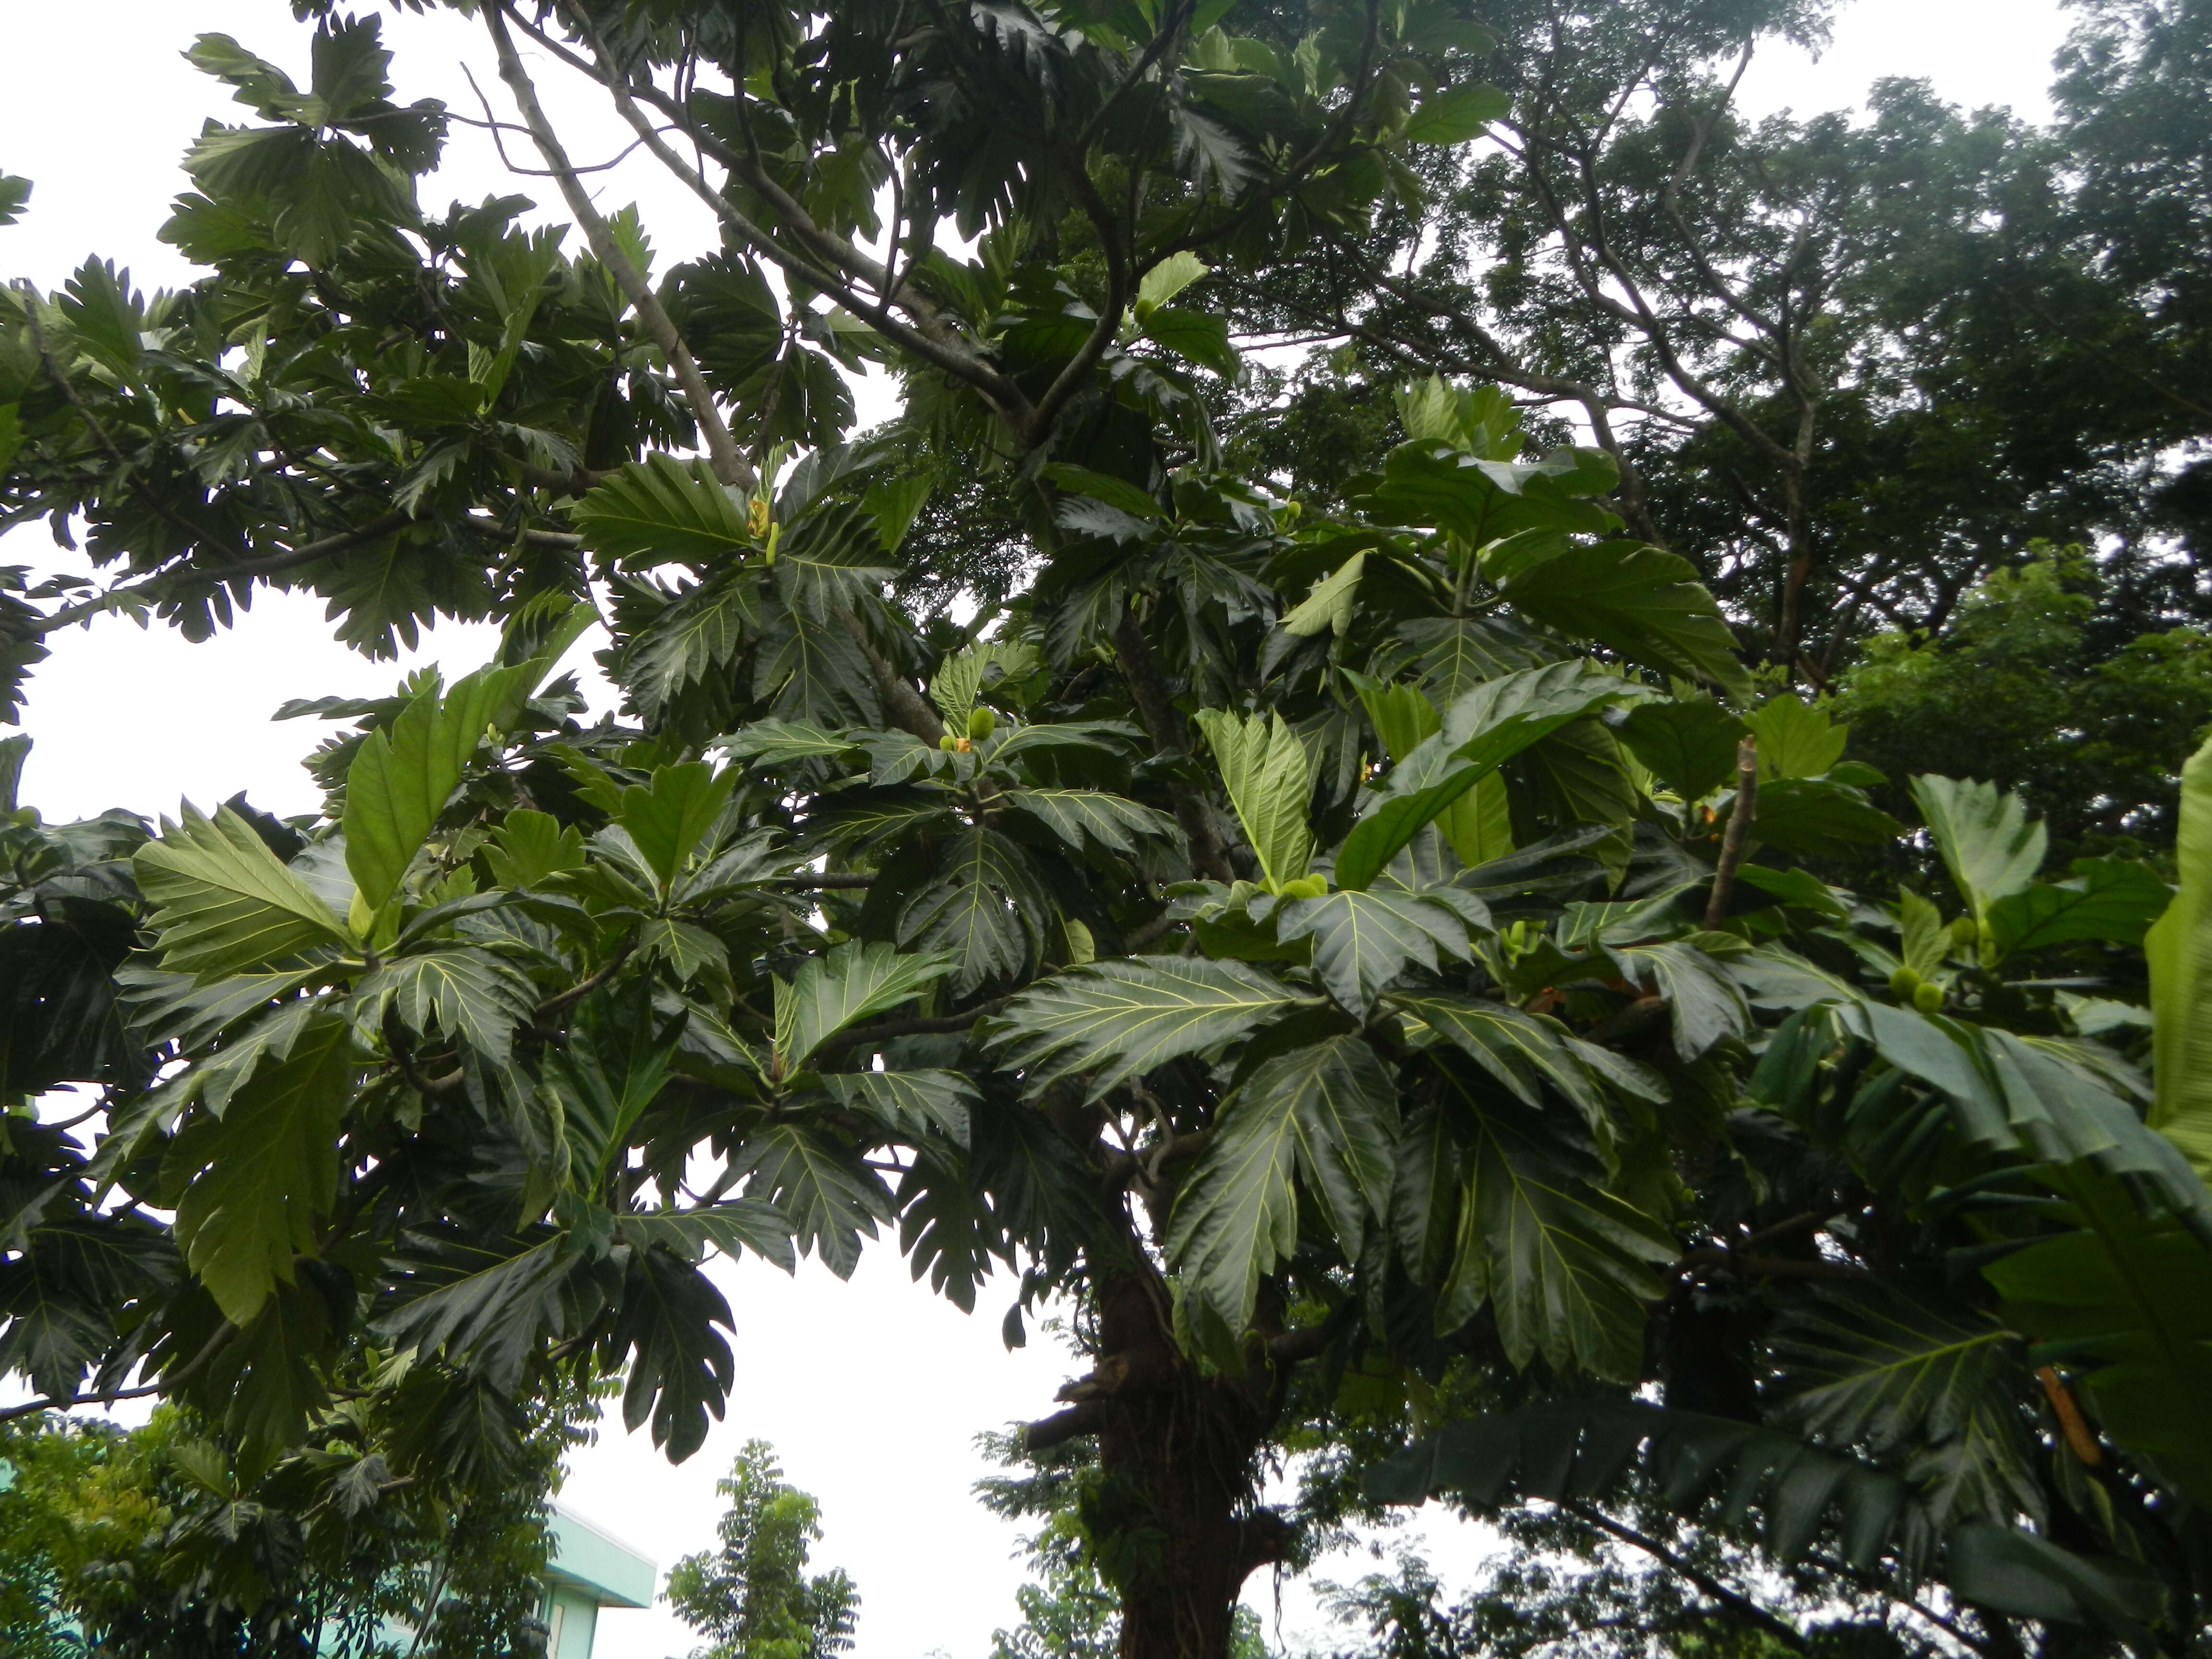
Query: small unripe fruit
{"type": "Point", "coordinates": [981, 722]}
{"type": "Point", "coordinates": [948, 742]}
{"type": "Point", "coordinates": [1306, 887]}
{"type": "Point", "coordinates": [1902, 983]}
{"type": "Point", "coordinates": [1928, 999]}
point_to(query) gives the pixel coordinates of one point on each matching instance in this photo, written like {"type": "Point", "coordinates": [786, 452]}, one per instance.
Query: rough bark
{"type": "Point", "coordinates": [1178, 1451]}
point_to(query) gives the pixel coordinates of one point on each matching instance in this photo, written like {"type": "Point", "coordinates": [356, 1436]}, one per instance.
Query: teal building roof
{"type": "Point", "coordinates": [588, 1558]}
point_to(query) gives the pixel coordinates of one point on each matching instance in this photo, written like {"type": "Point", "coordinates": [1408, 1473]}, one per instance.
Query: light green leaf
{"type": "Point", "coordinates": [841, 987]}
{"type": "Point", "coordinates": [1327, 1112]}
{"type": "Point", "coordinates": [222, 901]}
{"type": "Point", "coordinates": [1924, 935]}
{"type": "Point", "coordinates": [2179, 949]}
{"type": "Point", "coordinates": [1197, 337]}
{"type": "Point", "coordinates": [403, 774]}
{"type": "Point", "coordinates": [1263, 766]}
{"type": "Point", "coordinates": [529, 847]}
{"type": "Point", "coordinates": [1402, 715]}
{"type": "Point", "coordinates": [1457, 114]}
{"type": "Point", "coordinates": [1796, 740]}
{"type": "Point", "coordinates": [1988, 843]}
{"type": "Point", "coordinates": [1169, 278]}
{"type": "Point", "coordinates": [463, 992]}
{"type": "Point", "coordinates": [1480, 823]}
{"type": "Point", "coordinates": [263, 1174]}
{"type": "Point", "coordinates": [1329, 605]}
{"type": "Point", "coordinates": [1119, 1018]}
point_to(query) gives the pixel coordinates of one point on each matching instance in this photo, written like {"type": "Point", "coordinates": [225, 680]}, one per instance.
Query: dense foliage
{"type": "Point", "coordinates": [154, 1543]}
{"type": "Point", "coordinates": [1368, 951]}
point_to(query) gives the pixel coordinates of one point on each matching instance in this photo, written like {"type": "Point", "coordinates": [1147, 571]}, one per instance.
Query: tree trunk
{"type": "Point", "coordinates": [1181, 1531]}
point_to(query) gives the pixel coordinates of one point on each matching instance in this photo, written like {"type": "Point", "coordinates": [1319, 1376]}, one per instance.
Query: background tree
{"type": "Point", "coordinates": [2034, 687]}
{"type": "Point", "coordinates": [1848, 368]}
{"type": "Point", "coordinates": [752, 1599]}
{"type": "Point", "coordinates": [158, 1543]}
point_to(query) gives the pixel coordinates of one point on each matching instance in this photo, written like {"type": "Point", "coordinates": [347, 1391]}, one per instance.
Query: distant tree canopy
{"type": "Point", "coordinates": [753, 1598]}
{"type": "Point", "coordinates": [1333, 886]}
{"type": "Point", "coordinates": [155, 1543]}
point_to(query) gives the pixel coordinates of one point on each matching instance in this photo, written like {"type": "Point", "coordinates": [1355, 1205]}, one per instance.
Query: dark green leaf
{"type": "Point", "coordinates": [1689, 746]}
{"type": "Point", "coordinates": [1645, 603]}
{"type": "Point", "coordinates": [1327, 1112]}
{"type": "Point", "coordinates": [2112, 899]}
{"type": "Point", "coordinates": [830, 1196]}
{"type": "Point", "coordinates": [1117, 1019]}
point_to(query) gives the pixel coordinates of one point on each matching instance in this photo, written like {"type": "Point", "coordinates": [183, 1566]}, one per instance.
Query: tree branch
{"type": "Point", "coordinates": [375, 530]}
{"type": "Point", "coordinates": [884, 1030]}
{"type": "Point", "coordinates": [167, 1380]}
{"type": "Point", "coordinates": [1741, 813]}
{"type": "Point", "coordinates": [929, 340]}
{"type": "Point", "coordinates": [1734, 1601]}
{"type": "Point", "coordinates": [730, 466]}
{"type": "Point", "coordinates": [1087, 1417]}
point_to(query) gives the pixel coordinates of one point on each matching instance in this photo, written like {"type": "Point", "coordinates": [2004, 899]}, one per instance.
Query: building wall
{"type": "Point", "coordinates": [572, 1618]}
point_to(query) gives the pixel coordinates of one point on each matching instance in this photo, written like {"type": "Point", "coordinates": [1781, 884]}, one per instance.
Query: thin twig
{"type": "Point", "coordinates": [886, 1029]}
{"type": "Point", "coordinates": [169, 1380]}
{"type": "Point", "coordinates": [555, 1004]}
{"type": "Point", "coordinates": [1733, 1599]}
{"type": "Point", "coordinates": [1744, 809]}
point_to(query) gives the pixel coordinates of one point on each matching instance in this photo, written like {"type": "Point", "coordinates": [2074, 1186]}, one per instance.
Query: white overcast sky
{"type": "Point", "coordinates": [871, 1392]}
